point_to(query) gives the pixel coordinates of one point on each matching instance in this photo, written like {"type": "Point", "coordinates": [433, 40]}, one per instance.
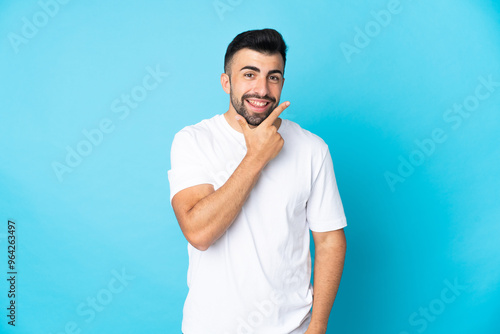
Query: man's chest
{"type": "Point", "coordinates": [284, 184]}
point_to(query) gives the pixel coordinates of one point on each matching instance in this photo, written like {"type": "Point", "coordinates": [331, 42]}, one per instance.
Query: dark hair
{"type": "Point", "coordinates": [267, 41]}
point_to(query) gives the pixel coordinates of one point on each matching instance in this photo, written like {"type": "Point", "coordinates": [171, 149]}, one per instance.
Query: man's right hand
{"type": "Point", "coordinates": [263, 142]}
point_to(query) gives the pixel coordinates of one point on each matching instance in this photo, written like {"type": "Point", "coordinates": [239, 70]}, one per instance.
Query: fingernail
{"type": "Point", "coordinates": [287, 103]}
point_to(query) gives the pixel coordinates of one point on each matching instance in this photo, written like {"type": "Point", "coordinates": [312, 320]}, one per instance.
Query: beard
{"type": "Point", "coordinates": [252, 118]}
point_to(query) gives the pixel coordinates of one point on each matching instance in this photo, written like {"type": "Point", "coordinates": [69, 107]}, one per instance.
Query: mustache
{"type": "Point", "coordinates": [268, 98]}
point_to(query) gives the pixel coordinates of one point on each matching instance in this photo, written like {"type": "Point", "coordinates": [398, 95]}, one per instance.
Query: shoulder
{"type": "Point", "coordinates": [197, 132]}
{"type": "Point", "coordinates": [305, 139]}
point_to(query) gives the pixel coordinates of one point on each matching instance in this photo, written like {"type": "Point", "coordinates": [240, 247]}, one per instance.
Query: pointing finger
{"type": "Point", "coordinates": [275, 114]}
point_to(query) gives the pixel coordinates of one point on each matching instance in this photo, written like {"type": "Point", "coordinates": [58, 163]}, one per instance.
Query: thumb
{"type": "Point", "coordinates": [242, 122]}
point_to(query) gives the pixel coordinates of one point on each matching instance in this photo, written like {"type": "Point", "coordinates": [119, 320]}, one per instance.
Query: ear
{"type": "Point", "coordinates": [283, 82]}
{"type": "Point", "coordinates": [224, 80]}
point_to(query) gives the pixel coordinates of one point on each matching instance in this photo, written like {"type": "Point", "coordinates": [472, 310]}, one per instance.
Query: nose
{"type": "Point", "coordinates": [261, 86]}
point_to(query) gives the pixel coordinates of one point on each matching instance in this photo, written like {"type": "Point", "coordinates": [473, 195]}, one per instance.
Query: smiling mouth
{"type": "Point", "coordinates": [258, 105]}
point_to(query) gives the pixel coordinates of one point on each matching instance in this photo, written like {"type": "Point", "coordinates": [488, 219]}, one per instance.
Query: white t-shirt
{"type": "Point", "coordinates": [256, 277]}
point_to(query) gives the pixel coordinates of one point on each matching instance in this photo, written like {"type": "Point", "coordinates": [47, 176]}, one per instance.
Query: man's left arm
{"type": "Point", "coordinates": [330, 248]}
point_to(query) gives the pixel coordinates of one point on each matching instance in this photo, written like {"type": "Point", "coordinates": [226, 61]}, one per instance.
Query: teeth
{"type": "Point", "coordinates": [258, 104]}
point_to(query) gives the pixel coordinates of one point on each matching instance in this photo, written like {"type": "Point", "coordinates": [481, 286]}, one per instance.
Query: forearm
{"type": "Point", "coordinates": [328, 267]}
{"type": "Point", "coordinates": [213, 215]}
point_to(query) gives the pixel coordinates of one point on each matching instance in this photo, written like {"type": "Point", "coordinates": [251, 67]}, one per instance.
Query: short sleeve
{"type": "Point", "coordinates": [187, 166]}
{"type": "Point", "coordinates": [324, 210]}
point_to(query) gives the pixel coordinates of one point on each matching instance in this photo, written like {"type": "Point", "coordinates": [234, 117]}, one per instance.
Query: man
{"type": "Point", "coordinates": [246, 187]}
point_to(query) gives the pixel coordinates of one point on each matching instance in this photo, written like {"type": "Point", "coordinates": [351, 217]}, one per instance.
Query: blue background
{"type": "Point", "coordinates": [111, 213]}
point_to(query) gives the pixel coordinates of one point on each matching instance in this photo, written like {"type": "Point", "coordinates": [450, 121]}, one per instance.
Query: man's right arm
{"type": "Point", "coordinates": [205, 214]}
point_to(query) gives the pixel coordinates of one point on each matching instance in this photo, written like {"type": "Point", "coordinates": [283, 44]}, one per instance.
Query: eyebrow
{"type": "Point", "coordinates": [253, 68]}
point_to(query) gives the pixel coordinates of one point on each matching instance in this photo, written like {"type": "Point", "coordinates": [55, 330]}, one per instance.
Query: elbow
{"type": "Point", "coordinates": [197, 232]}
{"type": "Point", "coordinates": [199, 245]}
{"type": "Point", "coordinates": [342, 245]}
{"type": "Point", "coordinates": [198, 241]}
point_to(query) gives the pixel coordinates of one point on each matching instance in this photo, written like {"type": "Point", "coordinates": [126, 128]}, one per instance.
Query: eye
{"type": "Point", "coordinates": [247, 74]}
{"type": "Point", "coordinates": [274, 78]}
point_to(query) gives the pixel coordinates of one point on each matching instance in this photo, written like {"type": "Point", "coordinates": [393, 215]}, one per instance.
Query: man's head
{"type": "Point", "coordinates": [254, 66]}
